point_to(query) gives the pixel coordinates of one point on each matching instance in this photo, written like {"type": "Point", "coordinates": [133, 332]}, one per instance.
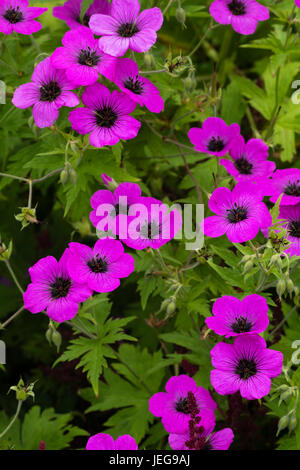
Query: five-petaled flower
{"type": "Point", "coordinates": [286, 182]}
{"type": "Point", "coordinates": [16, 15]}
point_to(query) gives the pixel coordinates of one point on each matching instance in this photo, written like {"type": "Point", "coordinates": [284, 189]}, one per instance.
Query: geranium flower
{"type": "Point", "coordinates": [287, 182]}
{"type": "Point", "coordinates": [240, 213]}
{"type": "Point", "coordinates": [113, 204]}
{"type": "Point", "coordinates": [17, 15]}
{"type": "Point", "coordinates": [204, 440]}
{"type": "Point", "coordinates": [249, 161]}
{"type": "Point", "coordinates": [126, 27]}
{"type": "Point", "coordinates": [100, 267]}
{"type": "Point", "coordinates": [243, 15]}
{"type": "Point", "coordinates": [214, 137]}
{"type": "Point", "coordinates": [103, 441]}
{"type": "Point", "coordinates": [138, 88]}
{"type": "Point", "coordinates": [148, 224]}
{"type": "Point", "coordinates": [246, 365]}
{"type": "Point", "coordinates": [105, 117]}
{"type": "Point", "coordinates": [70, 12]}
{"type": "Point", "coordinates": [292, 215]}
{"type": "Point", "coordinates": [297, 3]}
{"type": "Point", "coordinates": [53, 289]}
{"type": "Point", "coordinates": [232, 316]}
{"type": "Point", "coordinates": [176, 406]}
{"type": "Point", "coordinates": [81, 57]}
{"type": "Point", "coordinates": [48, 91]}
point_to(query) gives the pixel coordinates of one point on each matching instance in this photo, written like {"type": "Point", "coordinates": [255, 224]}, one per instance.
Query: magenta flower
{"type": "Point", "coordinates": [108, 205]}
{"type": "Point", "coordinates": [105, 117]}
{"type": "Point", "coordinates": [100, 267]}
{"type": "Point", "coordinates": [240, 213]}
{"type": "Point", "coordinates": [287, 182]}
{"type": "Point", "coordinates": [81, 57]}
{"type": "Point", "coordinates": [53, 289]}
{"type": "Point", "coordinates": [48, 91]}
{"type": "Point", "coordinates": [243, 15]}
{"type": "Point", "coordinates": [203, 440]}
{"type": "Point", "coordinates": [232, 316]}
{"type": "Point", "coordinates": [70, 12]}
{"type": "Point", "coordinates": [246, 365]}
{"type": "Point", "coordinates": [176, 406]}
{"type": "Point", "coordinates": [249, 161]}
{"type": "Point", "coordinates": [297, 3]}
{"type": "Point", "coordinates": [16, 15]}
{"type": "Point", "coordinates": [214, 137]}
{"type": "Point", "coordinates": [103, 441]}
{"type": "Point", "coordinates": [148, 224]}
{"type": "Point", "coordinates": [138, 88]}
{"type": "Point", "coordinates": [126, 27]}
{"type": "Point", "coordinates": [292, 215]}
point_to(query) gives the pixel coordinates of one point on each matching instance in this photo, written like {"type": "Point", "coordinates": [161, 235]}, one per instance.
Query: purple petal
{"type": "Point", "coordinates": [150, 19]}
{"type": "Point", "coordinates": [44, 114]}
{"type": "Point", "coordinates": [143, 41]}
{"type": "Point", "coordinates": [26, 95]}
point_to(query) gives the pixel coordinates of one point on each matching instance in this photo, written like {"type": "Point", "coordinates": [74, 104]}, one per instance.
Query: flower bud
{"type": "Point", "coordinates": [4, 251]}
{"type": "Point", "coordinates": [109, 182]}
{"type": "Point", "coordinates": [292, 423]}
{"type": "Point", "coordinates": [56, 339]}
{"type": "Point", "coordinates": [171, 308]}
{"type": "Point", "coordinates": [248, 266]}
{"type": "Point", "coordinates": [72, 176]}
{"type": "Point", "coordinates": [283, 423]}
{"type": "Point", "coordinates": [148, 59]}
{"type": "Point", "coordinates": [281, 287]}
{"type": "Point", "coordinates": [290, 286]}
{"type": "Point", "coordinates": [180, 15]}
{"type": "Point", "coordinates": [64, 176]}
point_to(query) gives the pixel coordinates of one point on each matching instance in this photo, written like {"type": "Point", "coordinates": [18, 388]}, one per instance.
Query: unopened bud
{"type": "Point", "coordinates": [171, 308]}
{"type": "Point", "coordinates": [290, 286]}
{"type": "Point", "coordinates": [56, 339]}
{"type": "Point", "coordinates": [109, 182]}
{"type": "Point", "coordinates": [281, 287]}
{"type": "Point", "coordinates": [64, 176]}
{"type": "Point", "coordinates": [180, 15]}
{"type": "Point", "coordinates": [248, 266]}
{"type": "Point", "coordinates": [283, 423]}
{"type": "Point", "coordinates": [148, 59]}
{"type": "Point", "coordinates": [292, 423]}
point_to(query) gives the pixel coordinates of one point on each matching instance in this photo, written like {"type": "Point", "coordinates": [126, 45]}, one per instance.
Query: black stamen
{"type": "Point", "coordinates": [150, 230]}
{"type": "Point", "coordinates": [241, 325]}
{"type": "Point", "coordinates": [246, 368]}
{"type": "Point", "coordinates": [127, 30]}
{"type": "Point", "coordinates": [294, 228]}
{"type": "Point", "coordinates": [237, 7]}
{"type": "Point", "coordinates": [134, 85]}
{"type": "Point", "coordinates": [50, 91]}
{"type": "Point", "coordinates": [293, 189]}
{"type": "Point", "coordinates": [88, 57]}
{"type": "Point", "coordinates": [13, 15]}
{"type": "Point", "coordinates": [182, 406]}
{"type": "Point", "coordinates": [243, 166]}
{"type": "Point", "coordinates": [60, 288]}
{"type": "Point", "coordinates": [215, 144]}
{"type": "Point", "coordinates": [106, 117]}
{"type": "Point", "coordinates": [236, 214]}
{"type": "Point", "coordinates": [98, 265]}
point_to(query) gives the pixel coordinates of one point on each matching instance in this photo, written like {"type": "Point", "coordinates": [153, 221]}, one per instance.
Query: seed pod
{"type": "Point", "coordinates": [180, 15]}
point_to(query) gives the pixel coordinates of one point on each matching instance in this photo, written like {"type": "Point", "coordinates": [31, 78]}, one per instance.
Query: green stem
{"type": "Point", "coordinates": [3, 325]}
{"type": "Point", "coordinates": [20, 403]}
{"type": "Point", "coordinates": [14, 276]}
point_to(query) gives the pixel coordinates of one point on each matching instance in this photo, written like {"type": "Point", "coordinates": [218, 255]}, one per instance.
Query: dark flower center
{"type": "Point", "coordinates": [50, 91]}
{"type": "Point", "coordinates": [182, 406]}
{"type": "Point", "coordinates": [243, 166]}
{"type": "Point", "coordinates": [88, 57]}
{"type": "Point", "coordinates": [150, 230]}
{"type": "Point", "coordinates": [241, 325]}
{"type": "Point", "coordinates": [13, 15]}
{"type": "Point", "coordinates": [236, 214]}
{"type": "Point", "coordinates": [246, 368]}
{"type": "Point", "coordinates": [120, 210]}
{"type": "Point", "coordinates": [134, 85]}
{"type": "Point", "coordinates": [98, 265]}
{"type": "Point", "coordinates": [294, 228]}
{"type": "Point", "coordinates": [60, 288]}
{"type": "Point", "coordinates": [106, 117]}
{"type": "Point", "coordinates": [237, 7]}
{"type": "Point", "coordinates": [85, 20]}
{"type": "Point", "coordinates": [293, 189]}
{"type": "Point", "coordinates": [127, 30]}
{"type": "Point", "coordinates": [215, 144]}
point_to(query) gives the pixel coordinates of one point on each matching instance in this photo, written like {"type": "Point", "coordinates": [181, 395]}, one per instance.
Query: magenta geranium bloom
{"type": "Point", "coordinates": [148, 224]}
{"type": "Point", "coordinates": [286, 182]}
{"type": "Point", "coordinates": [297, 3]}
{"type": "Point", "coordinates": [243, 15]}
{"type": "Point", "coordinates": [232, 316]}
{"type": "Point", "coordinates": [292, 215]}
{"type": "Point", "coordinates": [204, 440]}
{"type": "Point", "coordinates": [246, 366]}
{"type": "Point", "coordinates": [70, 12]}
{"type": "Point", "coordinates": [138, 88]}
{"type": "Point", "coordinates": [126, 27]}
{"type": "Point", "coordinates": [105, 117]}
{"type": "Point", "coordinates": [174, 407]}
{"type": "Point", "coordinates": [48, 91]}
{"type": "Point", "coordinates": [17, 15]}
{"type": "Point", "coordinates": [108, 205]}
{"type": "Point", "coordinates": [249, 160]}
{"type": "Point", "coordinates": [214, 137]}
{"type": "Point", "coordinates": [100, 267]}
{"type": "Point", "coordinates": [54, 290]}
{"type": "Point", "coordinates": [81, 57]}
{"type": "Point", "coordinates": [240, 213]}
{"type": "Point", "coordinates": [103, 441]}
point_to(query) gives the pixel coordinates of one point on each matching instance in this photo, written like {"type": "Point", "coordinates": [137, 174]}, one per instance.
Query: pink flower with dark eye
{"type": "Point", "coordinates": [243, 15]}
{"type": "Point", "coordinates": [70, 12]}
{"type": "Point", "coordinates": [176, 405]}
{"type": "Point", "coordinates": [48, 91]}
{"type": "Point", "coordinates": [292, 215]}
{"type": "Point", "coordinates": [54, 290]}
{"type": "Point", "coordinates": [246, 365]}
{"type": "Point", "coordinates": [100, 267]}
{"type": "Point", "coordinates": [215, 137]}
{"type": "Point", "coordinates": [286, 182]}
{"type": "Point", "coordinates": [17, 15]}
{"type": "Point", "coordinates": [105, 116]}
{"type": "Point", "coordinates": [205, 439]}
{"type": "Point", "coordinates": [103, 441]}
{"type": "Point", "coordinates": [249, 160]}
{"type": "Point", "coordinates": [138, 88]}
{"type": "Point", "coordinates": [232, 317]}
{"type": "Point", "coordinates": [81, 57]}
{"type": "Point", "coordinates": [126, 27]}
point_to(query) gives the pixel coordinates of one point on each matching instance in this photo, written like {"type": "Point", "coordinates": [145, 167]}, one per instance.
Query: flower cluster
{"type": "Point", "coordinates": [82, 60]}
{"type": "Point", "coordinates": [187, 414]}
